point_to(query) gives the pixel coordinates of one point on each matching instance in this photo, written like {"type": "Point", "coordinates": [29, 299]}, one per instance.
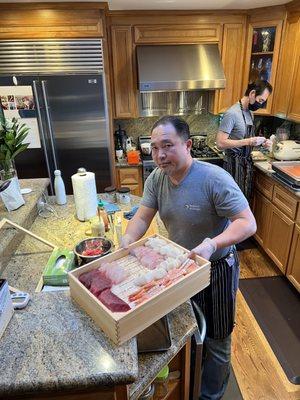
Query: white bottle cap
{"type": "Point", "coordinates": [57, 172]}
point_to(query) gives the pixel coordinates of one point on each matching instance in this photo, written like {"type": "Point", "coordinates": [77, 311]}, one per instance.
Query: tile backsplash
{"type": "Point", "coordinates": [204, 123]}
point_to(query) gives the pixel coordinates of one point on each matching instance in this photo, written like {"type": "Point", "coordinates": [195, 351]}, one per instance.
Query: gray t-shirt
{"type": "Point", "coordinates": [198, 207]}
{"type": "Point", "coordinates": [233, 122]}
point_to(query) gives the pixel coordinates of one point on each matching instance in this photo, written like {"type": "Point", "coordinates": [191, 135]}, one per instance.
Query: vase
{"type": "Point", "coordinates": [8, 171]}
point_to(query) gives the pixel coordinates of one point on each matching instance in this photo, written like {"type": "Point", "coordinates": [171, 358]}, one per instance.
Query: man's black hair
{"type": "Point", "coordinates": [259, 86]}
{"type": "Point", "coordinates": [181, 127]}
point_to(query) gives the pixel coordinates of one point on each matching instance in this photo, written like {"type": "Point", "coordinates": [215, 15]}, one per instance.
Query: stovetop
{"type": "Point", "coordinates": [205, 152]}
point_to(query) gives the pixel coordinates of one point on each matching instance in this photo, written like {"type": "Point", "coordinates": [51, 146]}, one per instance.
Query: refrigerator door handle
{"type": "Point", "coordinates": [41, 129]}
{"type": "Point", "coordinates": [49, 124]}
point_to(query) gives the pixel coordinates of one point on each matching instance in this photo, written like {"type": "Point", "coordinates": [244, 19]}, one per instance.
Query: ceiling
{"type": "Point", "coordinates": [173, 4]}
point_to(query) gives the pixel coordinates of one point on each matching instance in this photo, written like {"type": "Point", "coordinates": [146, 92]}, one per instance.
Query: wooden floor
{"type": "Point", "coordinates": [258, 373]}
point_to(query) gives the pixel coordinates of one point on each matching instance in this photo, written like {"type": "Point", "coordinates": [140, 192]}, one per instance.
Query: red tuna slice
{"type": "Point", "coordinates": [113, 302]}
{"type": "Point", "coordinates": [100, 283]}
{"type": "Point", "coordinates": [87, 277]}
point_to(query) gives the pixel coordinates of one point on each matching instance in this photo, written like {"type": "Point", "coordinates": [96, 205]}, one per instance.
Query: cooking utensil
{"type": "Point", "coordinates": [104, 244]}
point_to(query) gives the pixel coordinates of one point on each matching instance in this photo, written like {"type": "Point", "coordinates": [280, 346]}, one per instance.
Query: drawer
{"type": "Point", "coordinates": [285, 201]}
{"type": "Point", "coordinates": [265, 185]}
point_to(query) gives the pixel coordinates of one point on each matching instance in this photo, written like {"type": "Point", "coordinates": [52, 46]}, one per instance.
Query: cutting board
{"type": "Point", "coordinates": [120, 224]}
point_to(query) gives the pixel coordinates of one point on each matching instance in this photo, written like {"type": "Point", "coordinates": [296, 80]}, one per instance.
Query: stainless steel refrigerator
{"type": "Point", "coordinates": [71, 110]}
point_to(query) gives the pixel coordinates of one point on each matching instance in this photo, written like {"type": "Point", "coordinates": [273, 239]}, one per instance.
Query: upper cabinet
{"type": "Point", "coordinates": [233, 46]}
{"type": "Point", "coordinates": [124, 83]}
{"type": "Point", "coordinates": [176, 34]}
{"type": "Point", "coordinates": [287, 89]}
{"type": "Point", "coordinates": [262, 55]}
{"type": "Point", "coordinates": [51, 21]}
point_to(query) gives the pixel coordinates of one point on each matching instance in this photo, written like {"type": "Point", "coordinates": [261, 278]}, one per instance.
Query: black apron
{"type": "Point", "coordinates": [218, 300]}
{"type": "Point", "coordinates": [239, 164]}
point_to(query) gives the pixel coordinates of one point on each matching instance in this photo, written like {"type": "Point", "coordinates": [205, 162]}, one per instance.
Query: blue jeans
{"type": "Point", "coordinates": [215, 368]}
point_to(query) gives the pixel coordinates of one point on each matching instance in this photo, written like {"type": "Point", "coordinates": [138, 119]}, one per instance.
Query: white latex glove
{"type": "Point", "coordinates": [268, 144]}
{"type": "Point", "coordinates": [257, 140]}
{"type": "Point", "coordinates": [126, 240]}
{"type": "Point", "coordinates": [205, 249]}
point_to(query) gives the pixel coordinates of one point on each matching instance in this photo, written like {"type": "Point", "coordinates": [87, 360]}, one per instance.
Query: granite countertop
{"type": "Point", "coordinates": [266, 168]}
{"type": "Point", "coordinates": [58, 345]}
{"type": "Point", "coordinates": [24, 216]}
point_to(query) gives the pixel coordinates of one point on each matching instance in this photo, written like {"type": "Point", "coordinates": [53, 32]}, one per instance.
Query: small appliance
{"type": "Point", "coordinates": [287, 150]}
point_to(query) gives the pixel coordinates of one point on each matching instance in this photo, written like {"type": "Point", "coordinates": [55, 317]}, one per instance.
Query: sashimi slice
{"type": "Point", "coordinates": [113, 302]}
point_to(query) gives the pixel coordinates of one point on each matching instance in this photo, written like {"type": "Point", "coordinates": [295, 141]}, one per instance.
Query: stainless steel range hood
{"type": "Point", "coordinates": [180, 67]}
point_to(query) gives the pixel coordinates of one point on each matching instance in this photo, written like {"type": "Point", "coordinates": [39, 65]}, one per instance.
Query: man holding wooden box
{"type": "Point", "coordinates": [203, 210]}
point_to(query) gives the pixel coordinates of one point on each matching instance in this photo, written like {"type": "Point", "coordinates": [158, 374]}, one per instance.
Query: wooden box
{"type": "Point", "coordinates": [123, 326]}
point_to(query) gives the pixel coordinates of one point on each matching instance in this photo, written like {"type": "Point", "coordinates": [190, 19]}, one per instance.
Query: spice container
{"type": "Point", "coordinates": [124, 198]}
{"type": "Point", "coordinates": [148, 393]}
{"type": "Point", "coordinates": [110, 194]}
{"type": "Point", "coordinates": [103, 215]}
{"type": "Point", "coordinates": [161, 382]}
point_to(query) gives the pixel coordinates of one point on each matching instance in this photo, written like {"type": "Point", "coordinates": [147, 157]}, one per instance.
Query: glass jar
{"type": "Point", "coordinates": [161, 383]}
{"type": "Point", "coordinates": [148, 393]}
{"type": "Point", "coordinates": [110, 194]}
{"type": "Point", "coordinates": [124, 198]}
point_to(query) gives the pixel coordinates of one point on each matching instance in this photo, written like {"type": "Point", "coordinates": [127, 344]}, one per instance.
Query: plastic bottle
{"type": "Point", "coordinates": [59, 188]}
{"type": "Point", "coordinates": [103, 214]}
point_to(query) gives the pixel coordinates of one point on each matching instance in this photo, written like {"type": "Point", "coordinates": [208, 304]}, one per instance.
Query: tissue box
{"type": "Point", "coordinates": [6, 306]}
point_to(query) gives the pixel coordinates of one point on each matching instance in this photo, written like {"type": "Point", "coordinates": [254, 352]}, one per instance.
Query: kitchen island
{"type": "Point", "coordinates": [53, 350]}
{"type": "Point", "coordinates": [24, 216]}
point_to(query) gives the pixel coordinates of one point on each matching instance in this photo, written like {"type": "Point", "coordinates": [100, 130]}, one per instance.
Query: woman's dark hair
{"type": "Point", "coordinates": [259, 86]}
{"type": "Point", "coordinates": [181, 127]}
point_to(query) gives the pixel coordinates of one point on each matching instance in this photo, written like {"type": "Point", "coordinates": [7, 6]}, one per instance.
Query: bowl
{"type": "Point", "coordinates": [85, 249]}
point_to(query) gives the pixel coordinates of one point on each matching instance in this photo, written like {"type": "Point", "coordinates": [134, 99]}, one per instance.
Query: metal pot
{"type": "Point", "coordinates": [106, 246]}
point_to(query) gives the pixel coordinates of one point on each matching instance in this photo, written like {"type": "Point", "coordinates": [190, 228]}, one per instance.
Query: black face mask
{"type": "Point", "coordinates": [255, 106]}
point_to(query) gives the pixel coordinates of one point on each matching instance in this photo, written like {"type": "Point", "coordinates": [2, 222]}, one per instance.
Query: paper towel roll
{"type": "Point", "coordinates": [85, 194]}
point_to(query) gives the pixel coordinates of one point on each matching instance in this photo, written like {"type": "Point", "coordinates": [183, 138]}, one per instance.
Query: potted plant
{"type": "Point", "coordinates": [12, 136]}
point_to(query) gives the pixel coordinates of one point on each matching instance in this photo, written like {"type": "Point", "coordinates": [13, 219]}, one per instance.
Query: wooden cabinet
{"type": "Point", "coordinates": [262, 54]}
{"type": "Point", "coordinates": [176, 34]}
{"type": "Point", "coordinates": [125, 91]}
{"type": "Point", "coordinates": [293, 270]}
{"type": "Point", "coordinates": [232, 59]}
{"type": "Point", "coordinates": [287, 87]}
{"type": "Point", "coordinates": [130, 177]}
{"type": "Point", "coordinates": [264, 184]}
{"type": "Point", "coordinates": [51, 21]}
{"type": "Point", "coordinates": [284, 83]}
{"type": "Point", "coordinates": [261, 209]}
{"type": "Point", "coordinates": [285, 201]}
{"type": "Point", "coordinates": [294, 104]}
{"type": "Point", "coordinates": [279, 237]}
{"type": "Point", "coordinates": [277, 214]}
